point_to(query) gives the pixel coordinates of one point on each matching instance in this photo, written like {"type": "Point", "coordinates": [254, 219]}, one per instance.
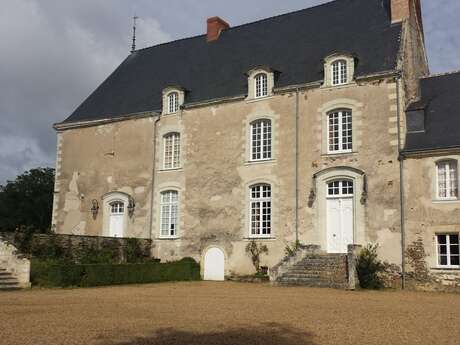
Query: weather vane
{"type": "Point", "coordinates": [133, 47]}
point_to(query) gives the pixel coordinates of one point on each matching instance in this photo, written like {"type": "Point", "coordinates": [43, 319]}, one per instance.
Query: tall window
{"type": "Point", "coordinates": [340, 132]}
{"type": "Point", "coordinates": [261, 85]}
{"type": "Point", "coordinates": [171, 151]}
{"type": "Point", "coordinates": [261, 210]}
{"type": "Point", "coordinates": [447, 180]}
{"type": "Point", "coordinates": [339, 72]}
{"type": "Point", "coordinates": [448, 253]}
{"type": "Point", "coordinates": [169, 208]}
{"type": "Point", "coordinates": [173, 102]}
{"type": "Point", "coordinates": [261, 140]}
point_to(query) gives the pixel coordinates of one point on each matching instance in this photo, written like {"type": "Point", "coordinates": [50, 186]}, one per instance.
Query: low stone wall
{"type": "Point", "coordinates": [18, 266]}
{"type": "Point", "coordinates": [77, 244]}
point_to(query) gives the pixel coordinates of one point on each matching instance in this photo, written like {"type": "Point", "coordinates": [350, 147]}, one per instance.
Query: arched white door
{"type": "Point", "coordinates": [117, 210]}
{"type": "Point", "coordinates": [214, 264]}
{"type": "Point", "coordinates": [339, 216]}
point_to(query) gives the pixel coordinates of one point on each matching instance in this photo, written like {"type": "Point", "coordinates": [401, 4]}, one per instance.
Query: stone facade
{"type": "Point", "coordinates": [99, 158]}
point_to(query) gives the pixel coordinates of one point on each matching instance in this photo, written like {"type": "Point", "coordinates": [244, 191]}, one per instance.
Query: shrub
{"type": "Point", "coordinates": [255, 250]}
{"type": "Point", "coordinates": [369, 267]}
{"type": "Point", "coordinates": [55, 274]}
{"type": "Point", "coordinates": [291, 250]}
{"type": "Point", "coordinates": [133, 251]}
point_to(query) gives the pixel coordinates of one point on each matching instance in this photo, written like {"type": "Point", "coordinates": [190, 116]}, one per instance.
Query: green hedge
{"type": "Point", "coordinates": [53, 274]}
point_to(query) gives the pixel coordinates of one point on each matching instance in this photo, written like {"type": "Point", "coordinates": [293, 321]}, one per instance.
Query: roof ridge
{"type": "Point", "coordinates": [241, 25]}
{"type": "Point", "coordinates": [443, 74]}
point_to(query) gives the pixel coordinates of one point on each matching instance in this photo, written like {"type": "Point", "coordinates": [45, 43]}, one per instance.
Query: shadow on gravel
{"type": "Point", "coordinates": [267, 334]}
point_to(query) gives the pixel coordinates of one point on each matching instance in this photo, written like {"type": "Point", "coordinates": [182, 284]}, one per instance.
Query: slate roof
{"type": "Point", "coordinates": [294, 44]}
{"type": "Point", "coordinates": [440, 99]}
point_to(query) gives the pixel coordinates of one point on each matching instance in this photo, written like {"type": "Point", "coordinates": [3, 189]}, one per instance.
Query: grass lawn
{"type": "Point", "coordinates": [226, 313]}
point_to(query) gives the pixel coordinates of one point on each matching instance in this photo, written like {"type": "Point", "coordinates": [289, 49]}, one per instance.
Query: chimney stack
{"type": "Point", "coordinates": [215, 26]}
{"type": "Point", "coordinates": [404, 9]}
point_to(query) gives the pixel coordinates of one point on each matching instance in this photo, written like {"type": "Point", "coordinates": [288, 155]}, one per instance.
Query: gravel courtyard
{"type": "Point", "coordinates": [226, 313]}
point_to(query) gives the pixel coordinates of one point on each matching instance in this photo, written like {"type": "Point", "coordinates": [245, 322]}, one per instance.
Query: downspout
{"type": "Point", "coordinates": [152, 192]}
{"type": "Point", "coordinates": [401, 187]}
{"type": "Point", "coordinates": [297, 167]}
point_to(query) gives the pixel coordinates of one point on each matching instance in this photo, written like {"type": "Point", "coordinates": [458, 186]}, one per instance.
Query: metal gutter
{"type": "Point", "coordinates": [297, 167]}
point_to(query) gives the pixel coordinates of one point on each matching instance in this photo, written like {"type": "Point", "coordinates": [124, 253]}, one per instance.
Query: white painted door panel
{"type": "Point", "coordinates": [339, 224]}
{"type": "Point", "coordinates": [214, 265]}
{"type": "Point", "coordinates": [116, 225]}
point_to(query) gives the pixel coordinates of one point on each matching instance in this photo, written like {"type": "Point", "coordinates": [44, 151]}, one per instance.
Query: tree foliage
{"type": "Point", "coordinates": [28, 201]}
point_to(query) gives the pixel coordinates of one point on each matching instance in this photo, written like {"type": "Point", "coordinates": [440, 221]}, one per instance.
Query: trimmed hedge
{"type": "Point", "coordinates": [53, 274]}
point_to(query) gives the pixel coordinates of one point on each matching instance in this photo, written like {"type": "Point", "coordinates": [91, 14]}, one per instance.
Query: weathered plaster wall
{"type": "Point", "coordinates": [425, 217]}
{"type": "Point", "coordinates": [93, 161]}
{"type": "Point", "coordinates": [215, 175]}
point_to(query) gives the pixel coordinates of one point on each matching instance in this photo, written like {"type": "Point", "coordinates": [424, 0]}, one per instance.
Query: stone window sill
{"type": "Point", "coordinates": [265, 161]}
{"type": "Point", "coordinates": [253, 99]}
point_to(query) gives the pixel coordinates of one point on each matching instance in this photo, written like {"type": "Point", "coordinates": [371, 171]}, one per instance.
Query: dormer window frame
{"type": "Point", "coordinates": [262, 88]}
{"type": "Point", "coordinates": [172, 106]}
{"type": "Point", "coordinates": [338, 67]}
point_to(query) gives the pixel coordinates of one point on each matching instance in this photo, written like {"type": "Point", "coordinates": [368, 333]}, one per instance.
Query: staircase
{"type": "Point", "coordinates": [14, 269]}
{"type": "Point", "coordinates": [325, 270]}
{"type": "Point", "coordinates": [7, 281]}
{"type": "Point", "coordinates": [309, 266]}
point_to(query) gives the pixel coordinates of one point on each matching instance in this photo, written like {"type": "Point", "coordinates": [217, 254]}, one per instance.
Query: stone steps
{"type": "Point", "coordinates": [319, 270]}
{"type": "Point", "coordinates": [7, 281]}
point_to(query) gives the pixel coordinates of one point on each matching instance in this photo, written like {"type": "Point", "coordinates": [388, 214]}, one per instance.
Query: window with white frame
{"type": "Point", "coordinates": [447, 176]}
{"type": "Point", "coordinates": [340, 188]}
{"type": "Point", "coordinates": [448, 250]}
{"type": "Point", "coordinates": [117, 207]}
{"type": "Point", "coordinates": [339, 72]}
{"type": "Point", "coordinates": [261, 140]}
{"type": "Point", "coordinates": [173, 102]}
{"type": "Point", "coordinates": [169, 213]}
{"type": "Point", "coordinates": [260, 210]}
{"type": "Point", "coordinates": [340, 131]}
{"type": "Point", "coordinates": [171, 143]}
{"type": "Point", "coordinates": [261, 85]}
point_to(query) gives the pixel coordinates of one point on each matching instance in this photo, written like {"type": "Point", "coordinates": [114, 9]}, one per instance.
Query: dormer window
{"type": "Point", "coordinates": [261, 81]}
{"type": "Point", "coordinates": [173, 102]}
{"type": "Point", "coordinates": [339, 72]}
{"type": "Point", "coordinates": [173, 98]}
{"type": "Point", "coordinates": [339, 69]}
{"type": "Point", "coordinates": [261, 87]}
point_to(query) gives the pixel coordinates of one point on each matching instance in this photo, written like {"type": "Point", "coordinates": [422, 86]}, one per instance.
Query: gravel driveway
{"type": "Point", "coordinates": [226, 313]}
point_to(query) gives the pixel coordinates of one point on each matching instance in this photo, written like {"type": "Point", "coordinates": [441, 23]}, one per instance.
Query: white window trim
{"type": "Point", "coordinates": [173, 104]}
{"type": "Point", "coordinates": [176, 139]}
{"type": "Point", "coordinates": [342, 64]}
{"type": "Point", "coordinates": [263, 121]}
{"type": "Point", "coordinates": [167, 92]}
{"type": "Point", "coordinates": [263, 90]}
{"type": "Point", "coordinates": [177, 204]}
{"type": "Point", "coordinates": [438, 265]}
{"type": "Point", "coordinates": [329, 62]}
{"type": "Point", "coordinates": [341, 195]}
{"type": "Point", "coordinates": [448, 191]}
{"type": "Point", "coordinates": [341, 150]}
{"type": "Point", "coordinates": [252, 83]}
{"type": "Point", "coordinates": [260, 201]}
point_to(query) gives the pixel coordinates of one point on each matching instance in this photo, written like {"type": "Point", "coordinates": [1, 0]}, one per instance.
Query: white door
{"type": "Point", "coordinates": [339, 216]}
{"type": "Point", "coordinates": [214, 264]}
{"type": "Point", "coordinates": [117, 209]}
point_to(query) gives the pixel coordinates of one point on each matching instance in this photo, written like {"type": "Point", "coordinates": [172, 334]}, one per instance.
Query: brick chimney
{"type": "Point", "coordinates": [215, 26]}
{"type": "Point", "coordinates": [404, 9]}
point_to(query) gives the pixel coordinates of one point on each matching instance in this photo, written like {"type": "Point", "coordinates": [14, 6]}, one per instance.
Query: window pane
{"type": "Point", "coordinates": [453, 239]}
{"type": "Point", "coordinates": [454, 260]}
{"type": "Point", "coordinates": [443, 260]}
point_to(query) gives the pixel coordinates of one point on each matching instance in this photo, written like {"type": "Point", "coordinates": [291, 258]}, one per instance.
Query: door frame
{"type": "Point", "coordinates": [320, 181]}
{"type": "Point", "coordinates": [341, 197]}
{"type": "Point", "coordinates": [203, 259]}
{"type": "Point", "coordinates": [108, 199]}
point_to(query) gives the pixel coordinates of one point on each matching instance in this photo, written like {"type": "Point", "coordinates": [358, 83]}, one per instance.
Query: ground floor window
{"type": "Point", "coordinates": [169, 211]}
{"type": "Point", "coordinates": [261, 210]}
{"type": "Point", "coordinates": [448, 250]}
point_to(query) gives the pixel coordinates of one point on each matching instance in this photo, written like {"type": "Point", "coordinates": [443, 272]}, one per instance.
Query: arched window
{"type": "Point", "coordinates": [171, 158]}
{"type": "Point", "coordinates": [339, 72]}
{"type": "Point", "coordinates": [260, 210]}
{"type": "Point", "coordinates": [261, 140]}
{"type": "Point", "coordinates": [117, 207]}
{"type": "Point", "coordinates": [340, 188]}
{"type": "Point", "coordinates": [169, 205]}
{"type": "Point", "coordinates": [340, 131]}
{"type": "Point", "coordinates": [173, 102]}
{"type": "Point", "coordinates": [261, 85]}
{"type": "Point", "coordinates": [447, 180]}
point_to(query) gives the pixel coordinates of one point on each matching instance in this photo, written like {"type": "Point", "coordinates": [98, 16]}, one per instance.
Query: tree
{"type": "Point", "coordinates": [28, 201]}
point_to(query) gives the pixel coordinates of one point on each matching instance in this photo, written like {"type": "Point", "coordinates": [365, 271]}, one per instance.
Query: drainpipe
{"type": "Point", "coordinates": [152, 192]}
{"type": "Point", "coordinates": [401, 188]}
{"type": "Point", "coordinates": [297, 166]}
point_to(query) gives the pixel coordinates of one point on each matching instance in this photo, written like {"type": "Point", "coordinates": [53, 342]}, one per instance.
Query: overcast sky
{"type": "Point", "coordinates": [54, 53]}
